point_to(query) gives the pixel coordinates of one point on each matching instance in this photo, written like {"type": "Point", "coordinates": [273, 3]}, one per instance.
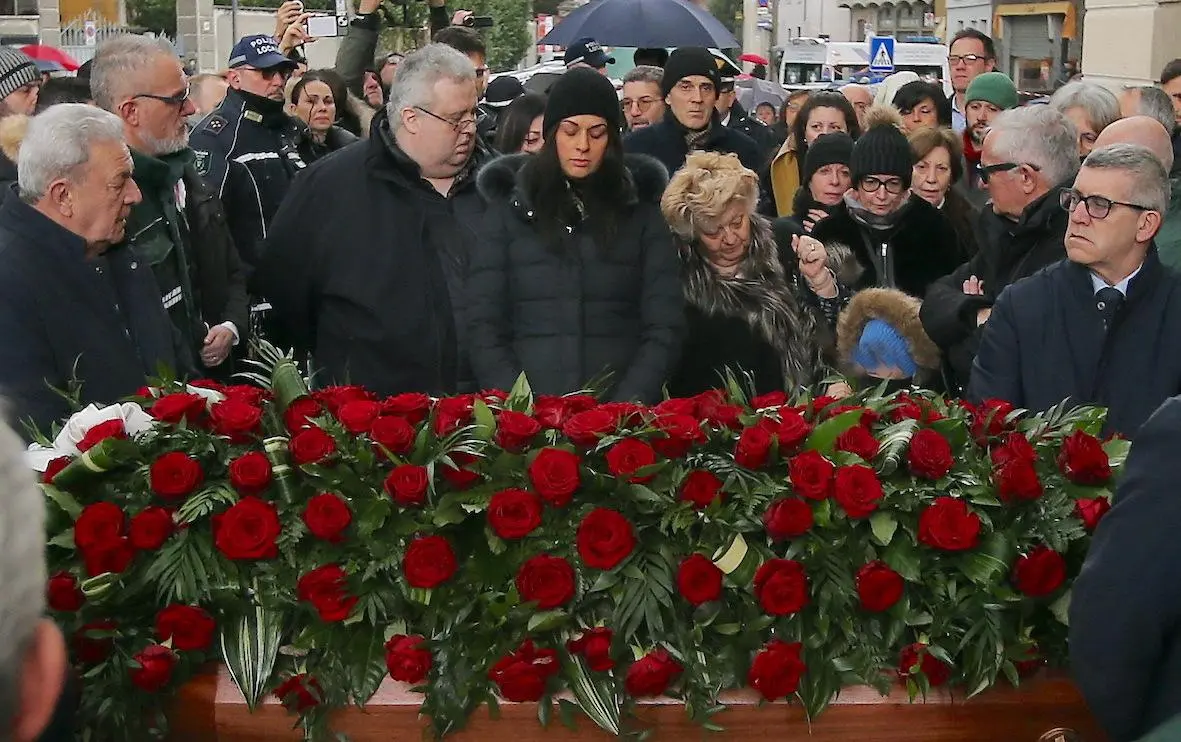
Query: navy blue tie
{"type": "Point", "coordinates": [1108, 300]}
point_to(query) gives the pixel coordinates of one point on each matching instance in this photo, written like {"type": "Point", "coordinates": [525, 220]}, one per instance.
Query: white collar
{"type": "Point", "coordinates": [1098, 283]}
{"type": "Point", "coordinates": [726, 121]}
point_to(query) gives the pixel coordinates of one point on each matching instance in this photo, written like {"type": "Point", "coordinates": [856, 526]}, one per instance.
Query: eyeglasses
{"type": "Point", "coordinates": [987, 171]}
{"type": "Point", "coordinates": [893, 185]}
{"type": "Point", "coordinates": [642, 103]}
{"type": "Point", "coordinates": [1098, 207]}
{"type": "Point", "coordinates": [170, 100]}
{"type": "Point", "coordinates": [468, 122]}
{"type": "Point", "coordinates": [954, 59]}
{"type": "Point", "coordinates": [282, 71]}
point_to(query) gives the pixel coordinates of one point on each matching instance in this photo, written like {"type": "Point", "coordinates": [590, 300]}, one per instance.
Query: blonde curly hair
{"type": "Point", "coordinates": [701, 192]}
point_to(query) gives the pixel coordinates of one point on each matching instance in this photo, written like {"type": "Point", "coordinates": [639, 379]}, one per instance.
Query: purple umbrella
{"type": "Point", "coordinates": [642, 23]}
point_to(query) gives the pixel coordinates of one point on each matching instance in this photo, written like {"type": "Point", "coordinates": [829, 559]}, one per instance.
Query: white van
{"type": "Point", "coordinates": [808, 62]}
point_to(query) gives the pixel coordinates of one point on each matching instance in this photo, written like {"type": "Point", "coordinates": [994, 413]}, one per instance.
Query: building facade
{"type": "Point", "coordinates": [1039, 44]}
{"type": "Point", "coordinates": [902, 20]}
{"type": "Point", "coordinates": [812, 19]}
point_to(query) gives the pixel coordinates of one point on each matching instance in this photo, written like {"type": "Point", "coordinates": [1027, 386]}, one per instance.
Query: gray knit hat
{"type": "Point", "coordinates": [16, 71]}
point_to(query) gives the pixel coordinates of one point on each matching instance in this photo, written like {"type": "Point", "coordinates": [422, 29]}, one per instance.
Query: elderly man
{"type": "Point", "coordinates": [643, 103]}
{"type": "Point", "coordinates": [1092, 329]}
{"type": "Point", "coordinates": [987, 96]}
{"type": "Point", "coordinates": [970, 55]}
{"type": "Point", "coordinates": [178, 227]}
{"type": "Point", "coordinates": [859, 96]}
{"type": "Point", "coordinates": [1170, 82]}
{"type": "Point", "coordinates": [1029, 156]}
{"type": "Point", "coordinates": [248, 148]}
{"type": "Point", "coordinates": [74, 303]}
{"type": "Point", "coordinates": [1147, 100]}
{"type": "Point", "coordinates": [690, 87]}
{"type": "Point", "coordinates": [366, 259]}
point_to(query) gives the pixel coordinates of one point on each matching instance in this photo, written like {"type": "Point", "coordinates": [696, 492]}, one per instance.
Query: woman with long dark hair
{"type": "Point", "coordinates": [824, 112]}
{"type": "Point", "coordinates": [519, 129]}
{"type": "Point", "coordinates": [315, 101]}
{"type": "Point", "coordinates": [577, 277]}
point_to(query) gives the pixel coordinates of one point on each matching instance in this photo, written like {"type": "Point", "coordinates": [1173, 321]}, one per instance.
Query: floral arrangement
{"type": "Point", "coordinates": [505, 547]}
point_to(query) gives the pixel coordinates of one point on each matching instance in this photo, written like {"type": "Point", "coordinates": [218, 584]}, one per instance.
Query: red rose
{"type": "Point", "coordinates": [428, 562]}
{"type": "Point", "coordinates": [1091, 510]}
{"type": "Point", "coordinates": [906, 407]}
{"type": "Point", "coordinates": [175, 475]}
{"type": "Point", "coordinates": [311, 446]}
{"type": "Point", "coordinates": [989, 419]}
{"type": "Point", "coordinates": [627, 457]}
{"type": "Point", "coordinates": [1015, 447]}
{"type": "Point", "coordinates": [89, 648]}
{"type": "Point", "coordinates": [1017, 480]}
{"type": "Point", "coordinates": [392, 434]}
{"type": "Point", "coordinates": [326, 589]}
{"type": "Point", "coordinates": [781, 587]}
{"type": "Point", "coordinates": [769, 400]}
{"type": "Point", "coordinates": [546, 580]}
{"type": "Point", "coordinates": [113, 557]}
{"type": "Point", "coordinates": [595, 646]}
{"type": "Point", "coordinates": [790, 430]}
{"type": "Point", "coordinates": [515, 430]}
{"type": "Point", "coordinates": [189, 627]}
{"type": "Point", "coordinates": [681, 433]}
{"type": "Point", "coordinates": [1040, 572]}
{"type": "Point", "coordinates": [299, 693]}
{"type": "Point", "coordinates": [298, 415]}
{"type": "Point", "coordinates": [411, 406]}
{"type": "Point", "coordinates": [605, 538]}
{"type": "Point", "coordinates": [915, 657]}
{"type": "Point", "coordinates": [150, 528]}
{"type": "Point", "coordinates": [699, 580]}
{"type": "Point", "coordinates": [235, 419]}
{"type": "Point", "coordinates": [787, 518]}
{"type": "Point", "coordinates": [63, 594]}
{"type": "Point", "coordinates": [452, 413]}
{"type": "Point", "coordinates": [626, 414]}
{"type": "Point", "coordinates": [172, 408]}
{"type": "Point", "coordinates": [335, 397]}
{"type": "Point", "coordinates": [1033, 662]}
{"type": "Point", "coordinates": [586, 428]}
{"type": "Point", "coordinates": [247, 530]}
{"type": "Point", "coordinates": [811, 475]}
{"type": "Point", "coordinates": [246, 393]}
{"type": "Point", "coordinates": [858, 490]}
{"type": "Point", "coordinates": [776, 670]}
{"type": "Point", "coordinates": [358, 415]}
{"type": "Point", "coordinates": [554, 474]}
{"type": "Point", "coordinates": [717, 414]}
{"type": "Point", "coordinates": [54, 468]}
{"type": "Point", "coordinates": [753, 447]}
{"type": "Point", "coordinates": [858, 441]}
{"type": "Point", "coordinates": [514, 513]}
{"type": "Point", "coordinates": [1083, 460]}
{"type": "Point", "coordinates": [930, 455]}
{"type": "Point", "coordinates": [677, 406]}
{"type": "Point", "coordinates": [408, 485]}
{"type": "Point", "coordinates": [550, 411]}
{"type": "Point", "coordinates": [250, 473]}
{"type": "Point", "coordinates": [406, 658]}
{"type": "Point", "coordinates": [99, 524]}
{"type": "Point", "coordinates": [948, 524]}
{"type": "Point", "coordinates": [155, 668]}
{"type": "Point", "coordinates": [878, 586]}
{"type": "Point", "coordinates": [651, 674]}
{"type": "Point", "coordinates": [459, 476]}
{"type": "Point", "coordinates": [100, 432]}
{"type": "Point", "coordinates": [701, 488]}
{"type": "Point", "coordinates": [521, 677]}
{"type": "Point", "coordinates": [327, 516]}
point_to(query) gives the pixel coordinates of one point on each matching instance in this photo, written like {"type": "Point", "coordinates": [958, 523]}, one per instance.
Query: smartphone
{"type": "Point", "coordinates": [479, 21]}
{"type": "Point", "coordinates": [323, 26]}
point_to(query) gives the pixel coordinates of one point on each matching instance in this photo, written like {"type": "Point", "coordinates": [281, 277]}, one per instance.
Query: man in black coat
{"type": "Point", "coordinates": [366, 258]}
{"type": "Point", "coordinates": [1020, 232]}
{"type": "Point", "coordinates": [733, 116]}
{"type": "Point", "coordinates": [690, 85]}
{"type": "Point", "coordinates": [74, 306]}
{"type": "Point", "coordinates": [1099, 327]}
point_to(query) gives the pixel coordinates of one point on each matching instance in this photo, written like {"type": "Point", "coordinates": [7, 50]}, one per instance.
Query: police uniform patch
{"type": "Point", "coordinates": [254, 116]}
{"type": "Point", "coordinates": [214, 123]}
{"type": "Point", "coordinates": [201, 162]}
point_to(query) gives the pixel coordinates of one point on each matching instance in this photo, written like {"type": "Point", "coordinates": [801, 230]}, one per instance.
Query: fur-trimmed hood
{"type": "Point", "coordinates": [895, 308]}
{"type": "Point", "coordinates": [498, 180]}
{"type": "Point", "coordinates": [364, 113]}
{"type": "Point", "coordinates": [12, 133]}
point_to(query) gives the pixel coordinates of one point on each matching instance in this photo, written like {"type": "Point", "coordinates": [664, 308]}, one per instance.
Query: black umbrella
{"type": "Point", "coordinates": [642, 23]}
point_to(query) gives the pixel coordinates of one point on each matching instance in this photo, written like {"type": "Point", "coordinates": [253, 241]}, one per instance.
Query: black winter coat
{"type": "Point", "coordinates": [920, 248]}
{"type": "Point", "coordinates": [1009, 251]}
{"type": "Point", "coordinates": [758, 132]}
{"type": "Point", "coordinates": [1045, 343]}
{"type": "Point", "coordinates": [63, 315]}
{"type": "Point", "coordinates": [666, 142]}
{"type": "Point", "coordinates": [566, 317]}
{"type": "Point", "coordinates": [1125, 610]}
{"type": "Point", "coordinates": [336, 138]}
{"type": "Point", "coordinates": [364, 268]}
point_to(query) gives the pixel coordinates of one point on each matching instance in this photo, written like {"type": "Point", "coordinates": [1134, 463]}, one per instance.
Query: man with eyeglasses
{"type": "Point", "coordinates": [247, 149]}
{"type": "Point", "coordinates": [366, 259]}
{"type": "Point", "coordinates": [1096, 328]}
{"type": "Point", "coordinates": [643, 104]}
{"type": "Point", "coordinates": [970, 55]}
{"type": "Point", "coordinates": [177, 227]}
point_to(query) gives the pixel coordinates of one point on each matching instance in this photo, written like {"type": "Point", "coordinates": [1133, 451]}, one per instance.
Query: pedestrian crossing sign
{"type": "Point", "coordinates": [881, 54]}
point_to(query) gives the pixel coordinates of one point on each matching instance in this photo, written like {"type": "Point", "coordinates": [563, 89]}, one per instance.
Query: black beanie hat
{"type": "Point", "coordinates": [828, 149]}
{"type": "Point", "coordinates": [578, 92]}
{"type": "Point", "coordinates": [883, 150]}
{"type": "Point", "coordinates": [686, 62]}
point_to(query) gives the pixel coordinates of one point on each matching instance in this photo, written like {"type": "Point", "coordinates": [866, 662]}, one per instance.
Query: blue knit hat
{"type": "Point", "coordinates": [882, 346]}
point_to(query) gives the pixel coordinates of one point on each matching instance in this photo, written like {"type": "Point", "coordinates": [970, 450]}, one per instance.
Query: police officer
{"type": "Point", "coordinates": [247, 147]}
{"type": "Point", "coordinates": [734, 116]}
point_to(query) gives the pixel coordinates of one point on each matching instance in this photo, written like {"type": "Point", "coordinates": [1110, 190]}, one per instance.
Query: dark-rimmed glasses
{"type": "Point", "coordinates": [894, 186]}
{"type": "Point", "coordinates": [1098, 207]}
{"type": "Point", "coordinates": [987, 171]}
{"type": "Point", "coordinates": [468, 122]}
{"type": "Point", "coordinates": [643, 103]}
{"type": "Point", "coordinates": [172, 100]}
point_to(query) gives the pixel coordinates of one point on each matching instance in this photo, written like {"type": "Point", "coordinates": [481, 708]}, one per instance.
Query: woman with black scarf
{"type": "Point", "coordinates": [826, 179]}
{"type": "Point", "coordinates": [577, 276]}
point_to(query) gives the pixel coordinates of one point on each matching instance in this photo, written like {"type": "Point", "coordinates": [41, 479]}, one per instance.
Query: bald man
{"type": "Point", "coordinates": [1149, 132]}
{"type": "Point", "coordinates": [861, 99]}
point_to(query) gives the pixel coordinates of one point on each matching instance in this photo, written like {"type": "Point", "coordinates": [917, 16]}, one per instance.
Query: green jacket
{"type": "Point", "coordinates": [1168, 239]}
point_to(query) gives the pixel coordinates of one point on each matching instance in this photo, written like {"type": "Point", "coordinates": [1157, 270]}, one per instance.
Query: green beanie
{"type": "Point", "coordinates": [995, 88]}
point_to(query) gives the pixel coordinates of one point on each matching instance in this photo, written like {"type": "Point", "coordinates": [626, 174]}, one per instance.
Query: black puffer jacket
{"type": "Point", "coordinates": [566, 317]}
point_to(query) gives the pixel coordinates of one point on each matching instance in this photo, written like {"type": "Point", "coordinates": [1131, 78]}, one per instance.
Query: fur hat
{"type": "Point", "coordinates": [889, 316]}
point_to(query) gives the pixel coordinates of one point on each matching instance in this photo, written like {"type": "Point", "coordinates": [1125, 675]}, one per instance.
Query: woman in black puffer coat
{"type": "Point", "coordinates": [578, 274]}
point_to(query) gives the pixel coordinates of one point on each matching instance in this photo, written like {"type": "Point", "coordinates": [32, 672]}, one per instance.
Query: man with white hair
{"type": "Point", "coordinates": [1094, 328]}
{"type": "Point", "coordinates": [365, 260]}
{"type": "Point", "coordinates": [1029, 156]}
{"type": "Point", "coordinates": [178, 227]}
{"type": "Point", "coordinates": [1148, 100]}
{"type": "Point", "coordinates": [76, 307]}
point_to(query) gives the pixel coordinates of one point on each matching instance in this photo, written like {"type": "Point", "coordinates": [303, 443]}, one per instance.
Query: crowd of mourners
{"type": "Point", "coordinates": [404, 225]}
